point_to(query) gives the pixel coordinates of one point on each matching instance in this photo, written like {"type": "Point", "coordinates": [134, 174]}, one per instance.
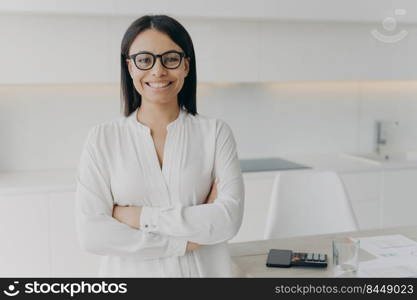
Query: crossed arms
{"type": "Point", "coordinates": [106, 229]}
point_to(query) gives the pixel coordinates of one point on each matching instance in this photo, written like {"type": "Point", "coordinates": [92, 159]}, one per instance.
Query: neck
{"type": "Point", "coordinates": [156, 116]}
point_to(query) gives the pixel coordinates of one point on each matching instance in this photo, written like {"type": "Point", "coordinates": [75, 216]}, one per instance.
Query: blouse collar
{"type": "Point", "coordinates": [179, 120]}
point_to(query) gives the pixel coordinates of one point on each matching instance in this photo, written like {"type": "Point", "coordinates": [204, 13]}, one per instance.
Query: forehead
{"type": "Point", "coordinates": [153, 41]}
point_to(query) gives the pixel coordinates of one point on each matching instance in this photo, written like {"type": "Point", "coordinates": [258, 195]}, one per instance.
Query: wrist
{"type": "Point", "coordinates": [149, 218]}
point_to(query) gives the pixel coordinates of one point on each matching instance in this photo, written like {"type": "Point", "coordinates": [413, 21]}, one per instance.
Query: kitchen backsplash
{"type": "Point", "coordinates": [44, 127]}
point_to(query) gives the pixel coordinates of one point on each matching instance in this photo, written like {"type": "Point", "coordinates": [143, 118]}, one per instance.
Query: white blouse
{"type": "Point", "coordinates": [119, 165]}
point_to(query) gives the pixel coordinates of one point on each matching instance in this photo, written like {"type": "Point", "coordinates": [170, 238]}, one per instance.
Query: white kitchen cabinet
{"type": "Point", "coordinates": [24, 236]}
{"type": "Point", "coordinates": [383, 199]}
{"type": "Point", "coordinates": [258, 190]}
{"type": "Point", "coordinates": [226, 51]}
{"type": "Point", "coordinates": [87, 50]}
{"type": "Point", "coordinates": [78, 49]}
{"type": "Point", "coordinates": [67, 258]}
{"type": "Point", "coordinates": [399, 203]}
{"type": "Point", "coordinates": [39, 238]}
{"type": "Point", "coordinates": [364, 193]}
{"type": "Point", "coordinates": [323, 51]}
{"type": "Point", "coordinates": [55, 49]}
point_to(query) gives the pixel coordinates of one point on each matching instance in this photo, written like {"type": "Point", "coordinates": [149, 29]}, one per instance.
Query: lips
{"type": "Point", "coordinates": [159, 84]}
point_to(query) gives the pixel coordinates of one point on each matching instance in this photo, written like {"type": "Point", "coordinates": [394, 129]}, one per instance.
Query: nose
{"type": "Point", "coordinates": [158, 69]}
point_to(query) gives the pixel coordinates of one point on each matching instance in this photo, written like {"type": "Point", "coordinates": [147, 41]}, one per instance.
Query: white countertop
{"type": "Point", "coordinates": [345, 163]}
{"type": "Point", "coordinates": [249, 258]}
{"type": "Point", "coordinates": [37, 181]}
{"type": "Point", "coordinates": [64, 179]}
{"type": "Point", "coordinates": [340, 163]}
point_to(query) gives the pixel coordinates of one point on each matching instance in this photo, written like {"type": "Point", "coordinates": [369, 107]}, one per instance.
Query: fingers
{"type": "Point", "coordinates": [192, 246]}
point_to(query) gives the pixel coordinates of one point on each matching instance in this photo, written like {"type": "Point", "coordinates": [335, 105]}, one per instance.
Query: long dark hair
{"type": "Point", "coordinates": [130, 98]}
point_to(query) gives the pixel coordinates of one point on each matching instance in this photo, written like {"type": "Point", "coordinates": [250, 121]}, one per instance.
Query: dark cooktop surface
{"type": "Point", "coordinates": [269, 164]}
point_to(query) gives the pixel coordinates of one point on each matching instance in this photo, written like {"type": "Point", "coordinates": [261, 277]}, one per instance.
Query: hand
{"type": "Point", "coordinates": [212, 194]}
{"type": "Point", "coordinates": [192, 246]}
{"type": "Point", "coordinates": [129, 215]}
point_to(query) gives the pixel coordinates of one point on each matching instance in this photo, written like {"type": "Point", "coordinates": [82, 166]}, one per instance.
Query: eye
{"type": "Point", "coordinates": [144, 60]}
{"type": "Point", "coordinates": [172, 59]}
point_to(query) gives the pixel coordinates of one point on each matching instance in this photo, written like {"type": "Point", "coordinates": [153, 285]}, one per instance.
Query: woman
{"type": "Point", "coordinates": [146, 199]}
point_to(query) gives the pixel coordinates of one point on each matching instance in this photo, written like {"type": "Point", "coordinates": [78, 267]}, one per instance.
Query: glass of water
{"type": "Point", "coordinates": [345, 256]}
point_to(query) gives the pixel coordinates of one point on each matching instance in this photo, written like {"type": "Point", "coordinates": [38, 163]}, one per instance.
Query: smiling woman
{"type": "Point", "coordinates": [147, 199]}
{"type": "Point", "coordinates": [153, 80]}
{"type": "Point", "coordinates": [138, 41]}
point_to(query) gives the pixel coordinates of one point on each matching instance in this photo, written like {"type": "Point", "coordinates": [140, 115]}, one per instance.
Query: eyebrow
{"type": "Point", "coordinates": [148, 52]}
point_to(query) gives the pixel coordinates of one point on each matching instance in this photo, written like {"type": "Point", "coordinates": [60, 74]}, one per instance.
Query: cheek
{"type": "Point", "coordinates": [180, 84]}
{"type": "Point", "coordinates": [137, 78]}
{"type": "Point", "coordinates": [180, 81]}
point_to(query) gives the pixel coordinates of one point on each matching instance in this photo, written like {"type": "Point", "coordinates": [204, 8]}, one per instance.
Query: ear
{"type": "Point", "coordinates": [186, 66]}
{"type": "Point", "coordinates": [129, 67]}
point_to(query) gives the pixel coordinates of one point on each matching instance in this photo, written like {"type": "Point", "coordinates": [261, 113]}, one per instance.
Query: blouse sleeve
{"type": "Point", "coordinates": [98, 232]}
{"type": "Point", "coordinates": [207, 223]}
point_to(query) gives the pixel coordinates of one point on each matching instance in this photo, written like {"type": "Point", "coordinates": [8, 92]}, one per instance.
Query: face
{"type": "Point", "coordinates": [158, 85]}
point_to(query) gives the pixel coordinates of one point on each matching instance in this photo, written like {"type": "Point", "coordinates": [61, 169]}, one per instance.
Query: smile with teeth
{"type": "Point", "coordinates": [158, 85]}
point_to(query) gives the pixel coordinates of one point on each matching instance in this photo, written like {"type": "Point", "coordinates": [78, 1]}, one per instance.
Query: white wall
{"type": "Point", "coordinates": [43, 127]}
{"type": "Point", "coordinates": [277, 118]}
{"type": "Point", "coordinates": [391, 101]}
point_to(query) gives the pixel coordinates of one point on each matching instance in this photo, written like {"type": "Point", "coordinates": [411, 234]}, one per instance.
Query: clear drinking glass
{"type": "Point", "coordinates": [345, 256]}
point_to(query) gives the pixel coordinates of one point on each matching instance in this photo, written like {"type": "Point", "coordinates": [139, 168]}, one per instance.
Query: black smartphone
{"type": "Point", "coordinates": [279, 258]}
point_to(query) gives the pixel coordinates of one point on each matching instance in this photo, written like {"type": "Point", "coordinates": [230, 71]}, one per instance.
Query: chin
{"type": "Point", "coordinates": [159, 100]}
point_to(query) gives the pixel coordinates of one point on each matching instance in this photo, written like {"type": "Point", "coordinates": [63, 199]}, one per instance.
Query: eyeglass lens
{"type": "Point", "coordinates": [170, 60]}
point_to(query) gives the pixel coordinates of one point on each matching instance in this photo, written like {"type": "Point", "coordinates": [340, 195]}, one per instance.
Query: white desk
{"type": "Point", "coordinates": [250, 257]}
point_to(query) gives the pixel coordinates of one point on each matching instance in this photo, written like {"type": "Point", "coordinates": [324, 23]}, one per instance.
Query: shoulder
{"type": "Point", "coordinates": [106, 130]}
{"type": "Point", "coordinates": [213, 124]}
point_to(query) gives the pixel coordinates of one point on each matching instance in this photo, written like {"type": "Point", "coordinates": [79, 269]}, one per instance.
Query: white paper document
{"type": "Point", "coordinates": [396, 256]}
{"type": "Point", "coordinates": [404, 266]}
{"type": "Point", "coordinates": [389, 245]}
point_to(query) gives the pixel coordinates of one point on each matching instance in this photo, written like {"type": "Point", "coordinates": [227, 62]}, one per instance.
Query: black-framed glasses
{"type": "Point", "coordinates": [146, 60]}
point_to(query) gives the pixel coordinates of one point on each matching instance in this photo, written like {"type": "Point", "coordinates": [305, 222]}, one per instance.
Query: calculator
{"type": "Point", "coordinates": [288, 258]}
